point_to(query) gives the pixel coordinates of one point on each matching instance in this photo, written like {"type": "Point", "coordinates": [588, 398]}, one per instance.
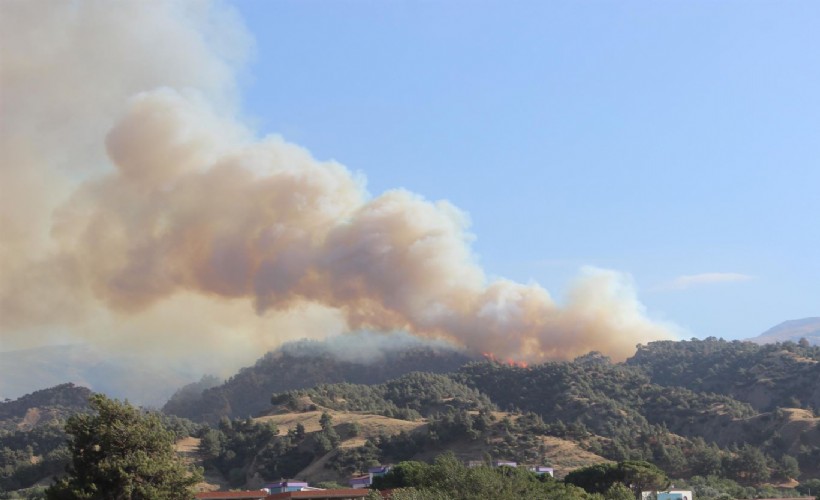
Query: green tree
{"type": "Point", "coordinates": [596, 478]}
{"type": "Point", "coordinates": [326, 421]}
{"type": "Point", "coordinates": [750, 465]}
{"type": "Point", "coordinates": [119, 453]}
{"type": "Point", "coordinates": [707, 460]}
{"type": "Point", "coordinates": [212, 443]}
{"type": "Point", "coordinates": [448, 478]}
{"type": "Point", "coordinates": [642, 476]}
{"type": "Point", "coordinates": [789, 468]}
{"type": "Point", "coordinates": [634, 474]}
{"type": "Point", "coordinates": [809, 487]}
{"type": "Point", "coordinates": [328, 439]}
{"type": "Point", "coordinates": [405, 474]}
{"type": "Point", "coordinates": [300, 431]}
{"type": "Point", "coordinates": [415, 494]}
{"type": "Point", "coordinates": [619, 491]}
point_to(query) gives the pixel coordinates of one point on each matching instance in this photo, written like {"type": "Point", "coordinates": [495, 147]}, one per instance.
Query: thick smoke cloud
{"type": "Point", "coordinates": [138, 209]}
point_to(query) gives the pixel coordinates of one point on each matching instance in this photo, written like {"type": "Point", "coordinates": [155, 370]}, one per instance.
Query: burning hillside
{"type": "Point", "coordinates": [153, 219]}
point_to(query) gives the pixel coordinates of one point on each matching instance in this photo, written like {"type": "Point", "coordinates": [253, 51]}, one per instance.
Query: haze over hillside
{"type": "Point", "coordinates": [697, 407]}
{"type": "Point", "coordinates": [363, 358]}
{"type": "Point", "coordinates": [152, 381]}
{"type": "Point", "coordinates": [114, 373]}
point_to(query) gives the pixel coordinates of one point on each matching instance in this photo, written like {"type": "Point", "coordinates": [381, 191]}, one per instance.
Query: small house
{"type": "Point", "coordinates": [231, 495]}
{"type": "Point", "coordinates": [667, 495]}
{"type": "Point", "coordinates": [504, 463]}
{"type": "Point", "coordinates": [541, 469]}
{"type": "Point", "coordinates": [379, 470]}
{"type": "Point", "coordinates": [286, 485]}
{"type": "Point", "coordinates": [360, 481]}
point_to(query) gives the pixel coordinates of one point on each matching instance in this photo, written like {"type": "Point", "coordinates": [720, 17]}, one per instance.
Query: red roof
{"type": "Point", "coordinates": [321, 494]}
{"type": "Point", "coordinates": [228, 495]}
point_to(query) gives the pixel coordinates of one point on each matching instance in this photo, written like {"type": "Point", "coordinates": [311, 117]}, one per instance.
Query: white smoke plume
{"type": "Point", "coordinates": [138, 210]}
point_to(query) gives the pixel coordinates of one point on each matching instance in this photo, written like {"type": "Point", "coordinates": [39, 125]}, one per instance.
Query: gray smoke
{"type": "Point", "coordinates": [139, 213]}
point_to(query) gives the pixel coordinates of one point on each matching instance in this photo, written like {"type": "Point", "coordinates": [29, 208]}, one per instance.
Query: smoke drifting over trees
{"type": "Point", "coordinates": [137, 209]}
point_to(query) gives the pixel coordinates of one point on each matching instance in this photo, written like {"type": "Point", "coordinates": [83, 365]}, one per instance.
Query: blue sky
{"type": "Point", "coordinates": [674, 141]}
{"type": "Point", "coordinates": [663, 139]}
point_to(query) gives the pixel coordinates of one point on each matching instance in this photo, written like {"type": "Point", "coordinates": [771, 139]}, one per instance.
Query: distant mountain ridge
{"type": "Point", "coordinates": [120, 375]}
{"type": "Point", "coordinates": [791, 331]}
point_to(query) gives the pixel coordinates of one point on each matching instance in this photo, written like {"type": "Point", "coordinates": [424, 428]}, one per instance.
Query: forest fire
{"type": "Point", "coordinates": [509, 361]}
{"type": "Point", "coordinates": [156, 213]}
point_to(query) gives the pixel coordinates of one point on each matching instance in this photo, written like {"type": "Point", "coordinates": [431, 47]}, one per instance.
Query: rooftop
{"type": "Point", "coordinates": [231, 495]}
{"type": "Point", "coordinates": [345, 493]}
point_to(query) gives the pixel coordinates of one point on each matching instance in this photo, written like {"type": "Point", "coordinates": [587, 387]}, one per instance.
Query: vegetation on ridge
{"type": "Point", "coordinates": [299, 366]}
{"type": "Point", "coordinates": [721, 418]}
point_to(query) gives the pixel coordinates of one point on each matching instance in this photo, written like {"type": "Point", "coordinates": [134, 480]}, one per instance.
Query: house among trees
{"type": "Point", "coordinates": [537, 469]}
{"type": "Point", "coordinates": [667, 495]}
{"type": "Point", "coordinates": [309, 493]}
{"type": "Point", "coordinates": [504, 463]}
{"type": "Point", "coordinates": [541, 469]}
{"type": "Point", "coordinates": [287, 485]}
{"type": "Point", "coordinates": [284, 490]}
{"type": "Point", "coordinates": [336, 494]}
{"type": "Point", "coordinates": [232, 495]}
{"type": "Point", "coordinates": [360, 482]}
{"type": "Point", "coordinates": [366, 480]}
{"type": "Point", "coordinates": [379, 470]}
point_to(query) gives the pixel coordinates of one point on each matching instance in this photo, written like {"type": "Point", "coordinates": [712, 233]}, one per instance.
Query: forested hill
{"type": "Point", "coordinates": [301, 365]}
{"type": "Point", "coordinates": [709, 408]}
{"type": "Point", "coordinates": [59, 401]}
{"type": "Point", "coordinates": [488, 410]}
{"type": "Point", "coordinates": [617, 411]}
{"type": "Point", "coordinates": [765, 376]}
{"type": "Point", "coordinates": [732, 409]}
{"type": "Point", "coordinates": [615, 401]}
{"type": "Point", "coordinates": [32, 439]}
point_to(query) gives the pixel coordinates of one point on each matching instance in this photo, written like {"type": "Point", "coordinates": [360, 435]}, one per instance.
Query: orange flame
{"type": "Point", "coordinates": [509, 362]}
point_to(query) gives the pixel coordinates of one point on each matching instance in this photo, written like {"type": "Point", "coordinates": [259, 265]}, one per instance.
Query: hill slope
{"type": "Point", "coordinates": [791, 331]}
{"type": "Point", "coordinates": [735, 410]}
{"type": "Point", "coordinates": [60, 401]}
{"type": "Point", "coordinates": [306, 364]}
{"type": "Point", "coordinates": [367, 439]}
{"type": "Point", "coordinates": [32, 439]}
{"type": "Point", "coordinates": [765, 376]}
{"type": "Point", "coordinates": [564, 414]}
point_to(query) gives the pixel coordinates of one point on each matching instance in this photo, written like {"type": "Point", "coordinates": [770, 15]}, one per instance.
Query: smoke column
{"type": "Point", "coordinates": [138, 210]}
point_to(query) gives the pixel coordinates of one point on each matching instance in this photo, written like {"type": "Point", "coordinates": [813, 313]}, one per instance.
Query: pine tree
{"type": "Point", "coordinates": [119, 453]}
